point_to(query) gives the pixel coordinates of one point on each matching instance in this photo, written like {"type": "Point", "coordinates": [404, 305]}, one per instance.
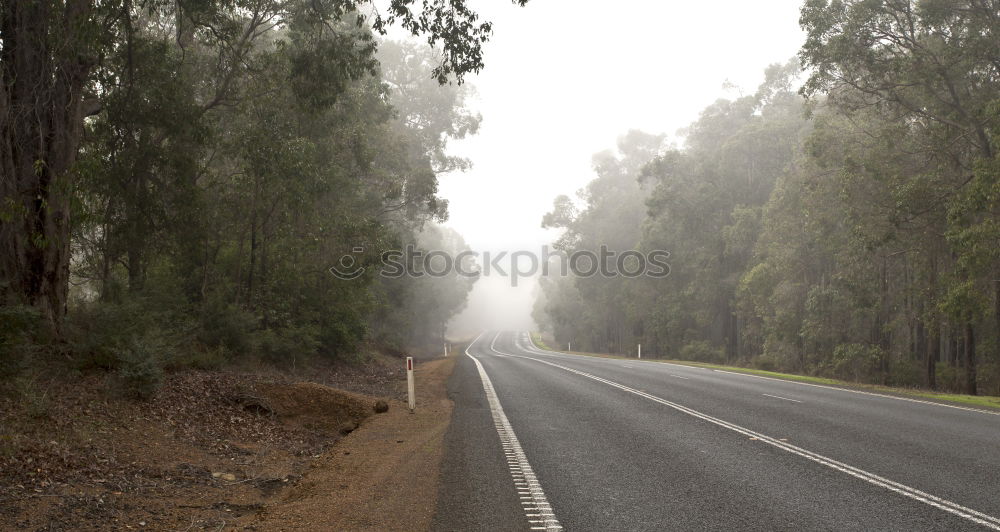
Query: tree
{"type": "Point", "coordinates": [51, 59]}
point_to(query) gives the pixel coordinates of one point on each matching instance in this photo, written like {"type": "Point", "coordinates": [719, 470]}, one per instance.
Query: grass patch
{"type": "Point", "coordinates": [987, 401]}
{"type": "Point", "coordinates": [537, 338]}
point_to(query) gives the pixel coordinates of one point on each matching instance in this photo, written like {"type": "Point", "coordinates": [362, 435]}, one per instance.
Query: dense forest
{"type": "Point", "coordinates": [843, 220]}
{"type": "Point", "coordinates": [178, 177]}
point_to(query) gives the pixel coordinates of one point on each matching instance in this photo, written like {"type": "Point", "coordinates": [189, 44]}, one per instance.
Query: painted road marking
{"type": "Point", "coordinates": [517, 461]}
{"type": "Point", "coordinates": [953, 508]}
{"type": "Point", "coordinates": [679, 377]}
{"type": "Point", "coordinates": [887, 396]}
{"type": "Point", "coordinates": [782, 398]}
{"type": "Point", "coordinates": [543, 352]}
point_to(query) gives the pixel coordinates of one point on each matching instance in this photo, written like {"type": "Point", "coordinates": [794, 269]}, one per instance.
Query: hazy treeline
{"type": "Point", "coordinates": [179, 177]}
{"type": "Point", "coordinates": [842, 220]}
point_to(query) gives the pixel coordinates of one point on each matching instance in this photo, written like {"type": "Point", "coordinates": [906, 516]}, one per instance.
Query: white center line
{"type": "Point", "coordinates": [782, 398]}
{"type": "Point", "coordinates": [537, 350]}
{"type": "Point", "coordinates": [679, 377]}
{"type": "Point", "coordinates": [953, 508]}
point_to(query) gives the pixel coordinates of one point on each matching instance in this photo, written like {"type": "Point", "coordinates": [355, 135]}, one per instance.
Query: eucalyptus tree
{"type": "Point", "coordinates": [62, 60]}
{"type": "Point", "coordinates": [932, 69]}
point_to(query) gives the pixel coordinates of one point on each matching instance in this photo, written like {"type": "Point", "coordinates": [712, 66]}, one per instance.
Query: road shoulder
{"type": "Point", "coordinates": [383, 476]}
{"type": "Point", "coordinates": [476, 490]}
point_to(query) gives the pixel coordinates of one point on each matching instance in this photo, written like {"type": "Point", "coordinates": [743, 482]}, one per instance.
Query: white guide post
{"type": "Point", "coordinates": [569, 346]}
{"type": "Point", "coordinates": [640, 351]}
{"type": "Point", "coordinates": [446, 349]}
{"type": "Point", "coordinates": [409, 384]}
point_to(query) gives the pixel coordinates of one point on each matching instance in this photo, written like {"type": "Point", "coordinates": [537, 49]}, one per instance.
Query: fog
{"type": "Point", "coordinates": [563, 80]}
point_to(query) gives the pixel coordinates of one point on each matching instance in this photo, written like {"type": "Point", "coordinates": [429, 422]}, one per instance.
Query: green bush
{"type": "Point", "coordinates": [855, 362]}
{"type": "Point", "coordinates": [948, 377]}
{"type": "Point", "coordinates": [19, 329]}
{"type": "Point", "coordinates": [766, 363]}
{"type": "Point", "coordinates": [200, 357]}
{"type": "Point", "coordinates": [227, 326]}
{"type": "Point", "coordinates": [907, 373]}
{"type": "Point", "coordinates": [140, 368]}
{"type": "Point", "coordinates": [702, 351]}
{"type": "Point", "coordinates": [286, 346]}
{"type": "Point", "coordinates": [34, 399]}
{"type": "Point", "coordinates": [98, 331]}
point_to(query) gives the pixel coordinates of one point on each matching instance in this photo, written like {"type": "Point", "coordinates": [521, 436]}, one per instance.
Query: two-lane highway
{"type": "Point", "coordinates": [544, 440]}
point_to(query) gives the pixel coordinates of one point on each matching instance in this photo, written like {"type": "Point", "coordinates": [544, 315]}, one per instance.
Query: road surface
{"type": "Point", "coordinates": [542, 440]}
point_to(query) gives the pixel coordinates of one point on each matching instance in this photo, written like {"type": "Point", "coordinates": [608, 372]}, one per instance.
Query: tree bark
{"type": "Point", "coordinates": [970, 360]}
{"type": "Point", "coordinates": [933, 347]}
{"type": "Point", "coordinates": [43, 74]}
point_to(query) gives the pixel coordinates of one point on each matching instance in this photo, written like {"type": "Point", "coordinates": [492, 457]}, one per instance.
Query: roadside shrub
{"type": "Point", "coordinates": [987, 377]}
{"type": "Point", "coordinates": [19, 328]}
{"type": "Point", "coordinates": [200, 357]}
{"type": "Point", "coordinates": [286, 346]}
{"type": "Point", "coordinates": [766, 363]}
{"type": "Point", "coordinates": [855, 362]}
{"type": "Point", "coordinates": [98, 331]}
{"type": "Point", "coordinates": [33, 399]}
{"type": "Point", "coordinates": [948, 377]}
{"type": "Point", "coordinates": [140, 368]}
{"type": "Point", "coordinates": [906, 373]}
{"type": "Point", "coordinates": [227, 326]}
{"type": "Point", "coordinates": [702, 351]}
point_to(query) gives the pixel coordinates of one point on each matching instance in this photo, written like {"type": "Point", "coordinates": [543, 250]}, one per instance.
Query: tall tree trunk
{"type": "Point", "coordinates": [41, 123]}
{"type": "Point", "coordinates": [970, 360]}
{"type": "Point", "coordinates": [996, 328]}
{"type": "Point", "coordinates": [933, 347]}
{"type": "Point", "coordinates": [933, 353]}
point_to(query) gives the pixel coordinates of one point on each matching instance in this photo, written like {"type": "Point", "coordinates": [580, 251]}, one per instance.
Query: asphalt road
{"type": "Point", "coordinates": [543, 440]}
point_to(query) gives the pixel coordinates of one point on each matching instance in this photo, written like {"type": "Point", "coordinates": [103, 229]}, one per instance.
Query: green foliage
{"type": "Point", "coordinates": [855, 362]}
{"type": "Point", "coordinates": [231, 153]}
{"type": "Point", "coordinates": [139, 367]}
{"type": "Point", "coordinates": [20, 327]}
{"type": "Point", "coordinates": [99, 332]}
{"type": "Point", "coordinates": [702, 351]}
{"type": "Point", "coordinates": [286, 346]}
{"type": "Point", "coordinates": [218, 220]}
{"type": "Point", "coordinates": [201, 358]}
{"type": "Point", "coordinates": [226, 328]}
{"type": "Point", "coordinates": [849, 228]}
{"type": "Point", "coordinates": [32, 397]}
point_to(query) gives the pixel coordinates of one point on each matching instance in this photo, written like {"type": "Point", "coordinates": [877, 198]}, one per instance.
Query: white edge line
{"type": "Point", "coordinates": [517, 462]}
{"type": "Point", "coordinates": [837, 388]}
{"type": "Point", "coordinates": [953, 508]}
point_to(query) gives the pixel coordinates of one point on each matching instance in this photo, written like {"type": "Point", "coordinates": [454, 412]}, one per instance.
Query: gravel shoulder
{"type": "Point", "coordinates": [383, 476]}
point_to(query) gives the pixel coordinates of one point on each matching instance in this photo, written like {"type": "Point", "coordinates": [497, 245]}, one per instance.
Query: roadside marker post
{"type": "Point", "coordinates": [640, 351]}
{"type": "Point", "coordinates": [446, 349]}
{"type": "Point", "coordinates": [409, 384]}
{"type": "Point", "coordinates": [569, 346]}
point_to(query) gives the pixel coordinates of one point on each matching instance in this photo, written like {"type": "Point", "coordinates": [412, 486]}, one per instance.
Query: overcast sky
{"type": "Point", "coordinates": [565, 78]}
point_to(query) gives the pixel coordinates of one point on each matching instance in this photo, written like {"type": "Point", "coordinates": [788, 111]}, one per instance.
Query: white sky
{"type": "Point", "coordinates": [564, 79]}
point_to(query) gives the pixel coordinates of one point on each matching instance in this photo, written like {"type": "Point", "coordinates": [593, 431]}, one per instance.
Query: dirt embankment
{"type": "Point", "coordinates": [221, 450]}
{"type": "Point", "coordinates": [381, 477]}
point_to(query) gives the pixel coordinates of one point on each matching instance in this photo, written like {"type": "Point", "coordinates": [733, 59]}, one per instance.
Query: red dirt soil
{"type": "Point", "coordinates": [214, 449]}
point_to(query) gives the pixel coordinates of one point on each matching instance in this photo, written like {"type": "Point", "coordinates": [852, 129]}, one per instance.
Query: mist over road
{"type": "Point", "coordinates": [547, 441]}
